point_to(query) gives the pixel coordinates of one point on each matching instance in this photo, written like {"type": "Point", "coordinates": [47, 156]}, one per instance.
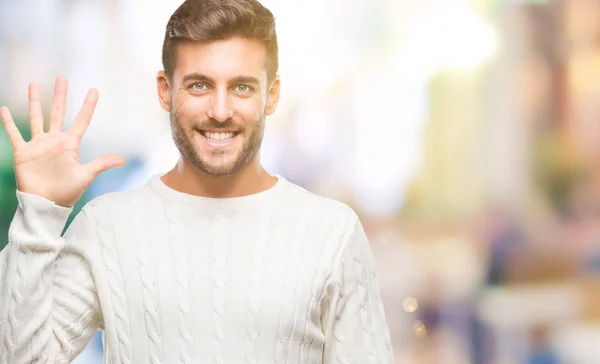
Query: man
{"type": "Point", "coordinates": [215, 261]}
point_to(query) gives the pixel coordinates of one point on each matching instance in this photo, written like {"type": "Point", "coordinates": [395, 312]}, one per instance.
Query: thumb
{"type": "Point", "coordinates": [103, 163]}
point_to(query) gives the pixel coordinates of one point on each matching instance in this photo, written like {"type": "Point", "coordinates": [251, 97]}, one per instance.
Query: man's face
{"type": "Point", "coordinates": [219, 98]}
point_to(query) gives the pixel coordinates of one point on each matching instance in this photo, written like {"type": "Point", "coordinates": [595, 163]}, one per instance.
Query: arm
{"type": "Point", "coordinates": [48, 303]}
{"type": "Point", "coordinates": [355, 328]}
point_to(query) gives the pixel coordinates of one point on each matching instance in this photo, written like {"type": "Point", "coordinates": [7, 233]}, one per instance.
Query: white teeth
{"type": "Point", "coordinates": [219, 137]}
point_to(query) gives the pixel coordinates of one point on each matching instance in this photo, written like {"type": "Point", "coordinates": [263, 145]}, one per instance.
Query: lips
{"type": "Point", "coordinates": [220, 138]}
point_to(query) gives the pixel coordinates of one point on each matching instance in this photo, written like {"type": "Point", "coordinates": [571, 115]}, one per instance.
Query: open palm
{"type": "Point", "coordinates": [48, 165]}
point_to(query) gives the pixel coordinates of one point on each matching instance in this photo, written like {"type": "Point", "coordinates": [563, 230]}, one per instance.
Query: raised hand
{"type": "Point", "coordinates": [48, 165]}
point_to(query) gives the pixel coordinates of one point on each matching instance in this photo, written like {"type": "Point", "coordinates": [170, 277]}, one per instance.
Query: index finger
{"type": "Point", "coordinates": [14, 135]}
{"type": "Point", "coordinates": [83, 118]}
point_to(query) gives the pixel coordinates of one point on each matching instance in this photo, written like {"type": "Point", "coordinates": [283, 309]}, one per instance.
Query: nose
{"type": "Point", "coordinates": [220, 108]}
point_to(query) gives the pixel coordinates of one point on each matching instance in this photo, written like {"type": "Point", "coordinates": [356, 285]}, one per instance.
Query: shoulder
{"type": "Point", "coordinates": [316, 208]}
{"type": "Point", "coordinates": [120, 201]}
{"type": "Point", "coordinates": [103, 215]}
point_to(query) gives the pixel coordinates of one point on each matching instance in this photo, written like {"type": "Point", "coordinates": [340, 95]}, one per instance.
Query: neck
{"type": "Point", "coordinates": [251, 179]}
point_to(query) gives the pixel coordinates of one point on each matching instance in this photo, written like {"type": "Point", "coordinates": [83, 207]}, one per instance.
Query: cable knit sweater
{"type": "Point", "coordinates": [281, 276]}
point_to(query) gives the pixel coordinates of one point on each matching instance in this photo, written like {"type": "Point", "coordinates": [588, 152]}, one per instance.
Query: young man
{"type": "Point", "coordinates": [215, 261]}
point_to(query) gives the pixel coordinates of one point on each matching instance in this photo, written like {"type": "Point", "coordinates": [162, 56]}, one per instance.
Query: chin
{"type": "Point", "coordinates": [217, 169]}
{"type": "Point", "coordinates": [219, 172]}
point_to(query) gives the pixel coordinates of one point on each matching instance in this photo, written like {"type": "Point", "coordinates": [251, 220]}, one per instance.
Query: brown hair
{"type": "Point", "coordinates": [212, 20]}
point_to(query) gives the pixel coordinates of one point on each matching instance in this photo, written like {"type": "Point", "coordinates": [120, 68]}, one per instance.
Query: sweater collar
{"type": "Point", "coordinates": [257, 199]}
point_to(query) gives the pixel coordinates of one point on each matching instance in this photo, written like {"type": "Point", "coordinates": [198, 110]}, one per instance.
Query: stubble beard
{"type": "Point", "coordinates": [183, 142]}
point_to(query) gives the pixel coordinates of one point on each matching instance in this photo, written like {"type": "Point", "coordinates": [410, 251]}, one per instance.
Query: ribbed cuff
{"type": "Point", "coordinates": [52, 218]}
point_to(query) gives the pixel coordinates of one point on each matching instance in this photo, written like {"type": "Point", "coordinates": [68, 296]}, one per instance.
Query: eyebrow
{"type": "Point", "coordinates": [203, 78]}
{"type": "Point", "coordinates": [197, 77]}
{"type": "Point", "coordinates": [245, 79]}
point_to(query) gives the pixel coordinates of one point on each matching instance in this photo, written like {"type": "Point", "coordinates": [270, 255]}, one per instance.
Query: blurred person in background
{"type": "Point", "coordinates": [215, 260]}
{"type": "Point", "coordinates": [542, 350]}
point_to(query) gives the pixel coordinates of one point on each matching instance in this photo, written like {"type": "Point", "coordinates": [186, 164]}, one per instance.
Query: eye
{"type": "Point", "coordinates": [243, 88]}
{"type": "Point", "coordinates": [198, 86]}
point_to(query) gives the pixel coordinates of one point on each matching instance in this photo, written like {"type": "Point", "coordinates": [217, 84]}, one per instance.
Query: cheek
{"type": "Point", "coordinates": [248, 109]}
{"type": "Point", "coordinates": [188, 107]}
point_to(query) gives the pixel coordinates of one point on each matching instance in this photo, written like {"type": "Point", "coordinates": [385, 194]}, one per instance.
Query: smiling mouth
{"type": "Point", "coordinates": [219, 137]}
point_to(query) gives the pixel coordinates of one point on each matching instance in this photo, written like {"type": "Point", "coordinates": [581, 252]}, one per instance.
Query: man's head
{"type": "Point", "coordinates": [220, 81]}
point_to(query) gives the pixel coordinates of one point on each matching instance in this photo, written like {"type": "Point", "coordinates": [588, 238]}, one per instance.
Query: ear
{"type": "Point", "coordinates": [164, 94]}
{"type": "Point", "coordinates": [273, 96]}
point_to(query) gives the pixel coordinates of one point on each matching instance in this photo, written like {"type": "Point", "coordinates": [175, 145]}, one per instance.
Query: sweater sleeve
{"type": "Point", "coordinates": [356, 330]}
{"type": "Point", "coordinates": [49, 307]}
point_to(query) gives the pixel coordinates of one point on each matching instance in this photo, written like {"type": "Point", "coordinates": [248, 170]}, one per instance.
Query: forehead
{"type": "Point", "coordinates": [222, 59]}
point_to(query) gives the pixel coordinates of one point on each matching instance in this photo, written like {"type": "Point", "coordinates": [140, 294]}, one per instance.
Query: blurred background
{"type": "Point", "coordinates": [466, 134]}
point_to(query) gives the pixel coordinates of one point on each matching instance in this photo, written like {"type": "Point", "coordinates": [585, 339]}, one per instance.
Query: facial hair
{"type": "Point", "coordinates": [182, 136]}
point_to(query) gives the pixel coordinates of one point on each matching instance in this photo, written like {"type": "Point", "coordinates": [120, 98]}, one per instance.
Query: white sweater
{"type": "Point", "coordinates": [282, 276]}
